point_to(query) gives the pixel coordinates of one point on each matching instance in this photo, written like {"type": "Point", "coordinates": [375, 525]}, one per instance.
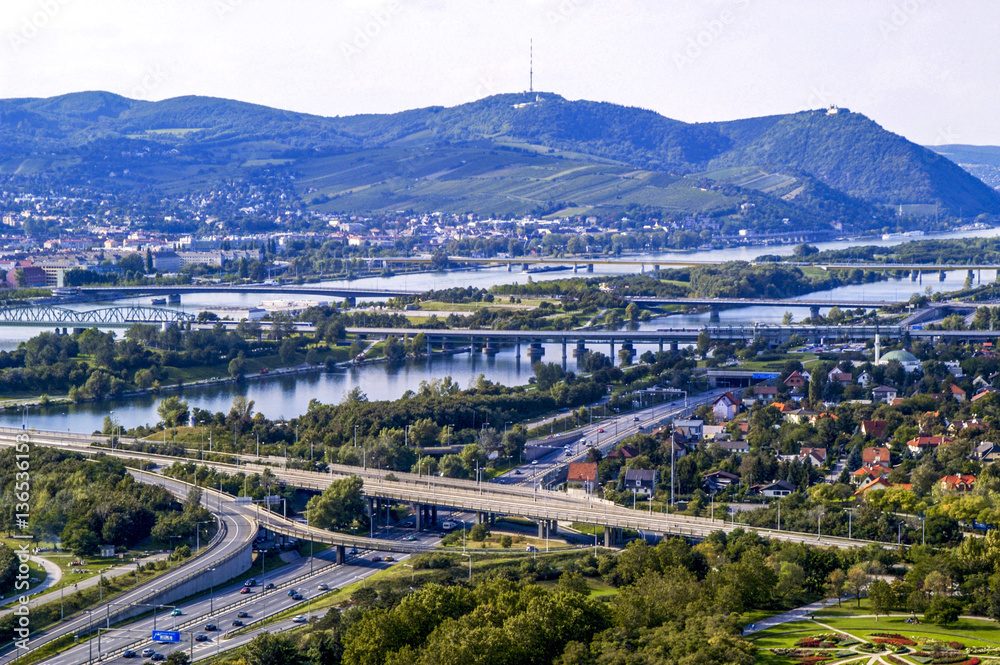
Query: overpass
{"type": "Point", "coordinates": [849, 303]}
{"type": "Point", "coordinates": [427, 493]}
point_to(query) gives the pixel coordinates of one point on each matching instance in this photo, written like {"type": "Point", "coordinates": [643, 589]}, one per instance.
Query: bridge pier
{"type": "Point", "coordinates": [814, 312]}
{"type": "Point", "coordinates": [612, 351]}
{"type": "Point", "coordinates": [491, 348]}
{"type": "Point", "coordinates": [564, 353]}
{"type": "Point", "coordinates": [341, 554]}
{"type": "Point", "coordinates": [535, 352]}
{"type": "Point", "coordinates": [575, 268]}
{"type": "Point", "coordinates": [418, 516]}
{"type": "Point", "coordinates": [609, 537]}
{"type": "Point", "coordinates": [941, 275]}
{"type": "Point", "coordinates": [510, 267]}
{"type": "Point", "coordinates": [673, 347]}
{"type": "Point", "coordinates": [543, 529]}
{"type": "Point", "coordinates": [428, 347]}
{"type": "Point", "coordinates": [581, 348]}
{"type": "Point", "coordinates": [590, 267]}
{"type": "Point", "coordinates": [434, 514]}
{"type": "Point", "coordinates": [713, 313]}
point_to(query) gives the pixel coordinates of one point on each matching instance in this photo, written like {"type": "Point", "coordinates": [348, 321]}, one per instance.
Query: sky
{"type": "Point", "coordinates": [921, 68]}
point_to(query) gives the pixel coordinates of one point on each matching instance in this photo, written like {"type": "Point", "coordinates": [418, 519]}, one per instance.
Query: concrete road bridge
{"type": "Point", "coordinates": [426, 494]}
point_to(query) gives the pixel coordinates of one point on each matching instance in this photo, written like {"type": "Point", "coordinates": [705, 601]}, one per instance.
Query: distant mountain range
{"type": "Point", "coordinates": [506, 154]}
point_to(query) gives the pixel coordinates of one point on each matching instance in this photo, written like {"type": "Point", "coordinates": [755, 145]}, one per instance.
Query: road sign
{"type": "Point", "coordinates": [243, 500]}
{"type": "Point", "coordinates": [273, 500]}
{"type": "Point", "coordinates": [166, 636]}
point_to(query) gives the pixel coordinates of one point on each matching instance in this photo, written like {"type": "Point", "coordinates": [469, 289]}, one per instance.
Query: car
{"type": "Point", "coordinates": [242, 614]}
{"type": "Point", "coordinates": [517, 472]}
{"type": "Point", "coordinates": [211, 627]}
{"type": "Point", "coordinates": [323, 586]}
{"type": "Point", "coordinates": [534, 462]}
{"type": "Point", "coordinates": [176, 612]}
{"type": "Point", "coordinates": [128, 653]}
{"type": "Point", "coordinates": [299, 618]}
{"type": "Point", "coordinates": [237, 623]}
{"type": "Point", "coordinates": [201, 637]}
{"type": "Point", "coordinates": [291, 592]}
{"type": "Point", "coordinates": [549, 436]}
{"type": "Point", "coordinates": [376, 558]}
{"type": "Point", "coordinates": [354, 550]}
{"type": "Point", "coordinates": [600, 431]}
{"type": "Point", "coordinates": [411, 537]}
{"type": "Point", "coordinates": [635, 419]}
{"type": "Point", "coordinates": [157, 656]}
{"type": "Point", "coordinates": [389, 559]}
{"type": "Point", "coordinates": [246, 590]}
{"type": "Point", "coordinates": [408, 524]}
{"type": "Point", "coordinates": [146, 653]}
{"type": "Point", "coordinates": [531, 548]}
{"type": "Point", "coordinates": [268, 586]}
{"type": "Point", "coordinates": [297, 596]}
{"type": "Point", "coordinates": [250, 582]}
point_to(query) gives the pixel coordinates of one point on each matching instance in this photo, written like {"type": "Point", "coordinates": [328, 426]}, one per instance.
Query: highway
{"type": "Point", "coordinates": [239, 530]}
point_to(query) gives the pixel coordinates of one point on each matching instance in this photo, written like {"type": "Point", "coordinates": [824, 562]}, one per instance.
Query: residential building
{"type": "Point", "coordinates": [962, 483]}
{"type": "Point", "coordinates": [865, 379]}
{"type": "Point", "coordinates": [778, 489]}
{"type": "Point", "coordinates": [625, 452]}
{"type": "Point", "coordinates": [692, 429]}
{"type": "Point", "coordinates": [837, 376]}
{"type": "Point", "coordinates": [918, 445]}
{"type": "Point", "coordinates": [719, 480]}
{"type": "Point", "coordinates": [884, 394]}
{"type": "Point", "coordinates": [166, 261]}
{"type": "Point", "coordinates": [640, 481]}
{"type": "Point", "coordinates": [874, 429]}
{"type": "Point", "coordinates": [742, 447]}
{"type": "Point", "coordinates": [726, 406]}
{"type": "Point", "coordinates": [957, 393]}
{"type": "Point", "coordinates": [796, 382]}
{"type": "Point", "coordinates": [714, 433]}
{"type": "Point", "coordinates": [815, 456]}
{"type": "Point", "coordinates": [987, 451]}
{"type": "Point", "coordinates": [581, 477]}
{"type": "Point", "coordinates": [876, 456]}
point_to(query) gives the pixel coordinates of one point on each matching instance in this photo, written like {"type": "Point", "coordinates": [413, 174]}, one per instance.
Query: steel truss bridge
{"type": "Point", "coordinates": [121, 316]}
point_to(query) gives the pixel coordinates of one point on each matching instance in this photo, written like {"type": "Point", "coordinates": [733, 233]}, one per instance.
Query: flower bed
{"type": "Point", "coordinates": [891, 638]}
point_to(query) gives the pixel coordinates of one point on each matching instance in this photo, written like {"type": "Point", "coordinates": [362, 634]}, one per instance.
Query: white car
{"type": "Point", "coordinates": [323, 586]}
{"type": "Point", "coordinates": [300, 618]}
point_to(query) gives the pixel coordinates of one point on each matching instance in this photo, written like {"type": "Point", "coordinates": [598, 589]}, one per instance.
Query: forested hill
{"type": "Point", "coordinates": [825, 166]}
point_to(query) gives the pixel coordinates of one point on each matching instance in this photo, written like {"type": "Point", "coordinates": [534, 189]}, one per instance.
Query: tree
{"type": "Point", "coordinates": [268, 649]}
{"type": "Point", "coordinates": [340, 505]}
{"type": "Point", "coordinates": [393, 349]}
{"type": "Point", "coordinates": [238, 366]}
{"type": "Point", "coordinates": [574, 582]}
{"type": "Point", "coordinates": [173, 411]}
{"type": "Point", "coordinates": [632, 312]}
{"type": "Point", "coordinates": [149, 260]}
{"type": "Point", "coordinates": [857, 581]}
{"type": "Point", "coordinates": [143, 379]}
{"type": "Point", "coordinates": [704, 342]}
{"type": "Point", "coordinates": [287, 349]}
{"type": "Point", "coordinates": [881, 597]}
{"type": "Point", "coordinates": [178, 658]}
{"type": "Point", "coordinates": [835, 582]}
{"type": "Point", "coordinates": [506, 541]}
{"type": "Point", "coordinates": [943, 611]}
{"type": "Point", "coordinates": [479, 532]}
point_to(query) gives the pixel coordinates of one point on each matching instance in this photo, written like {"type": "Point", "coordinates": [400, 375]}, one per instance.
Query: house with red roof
{"type": "Point", "coordinates": [875, 456]}
{"type": "Point", "coordinates": [919, 444]}
{"type": "Point", "coordinates": [874, 429]}
{"type": "Point", "coordinates": [962, 482]}
{"type": "Point", "coordinates": [581, 477]}
{"type": "Point", "coordinates": [726, 406]}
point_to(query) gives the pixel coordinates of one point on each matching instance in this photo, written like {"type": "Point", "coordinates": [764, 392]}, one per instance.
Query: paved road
{"type": "Point", "coordinates": [798, 614]}
{"type": "Point", "coordinates": [604, 436]}
{"type": "Point", "coordinates": [240, 530]}
{"type": "Point", "coordinates": [223, 605]}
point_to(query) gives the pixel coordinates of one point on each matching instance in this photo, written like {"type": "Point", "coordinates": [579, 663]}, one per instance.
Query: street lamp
{"type": "Point", "coordinates": [197, 534]}
{"type": "Point", "coordinates": [412, 572]}
{"type": "Point", "coordinates": [469, 557]}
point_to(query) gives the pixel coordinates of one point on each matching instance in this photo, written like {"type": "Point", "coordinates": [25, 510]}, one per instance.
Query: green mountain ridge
{"type": "Point", "coordinates": [509, 153]}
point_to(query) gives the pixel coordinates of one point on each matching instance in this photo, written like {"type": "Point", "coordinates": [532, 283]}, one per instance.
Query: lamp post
{"type": "Point", "coordinates": [197, 534]}
{"type": "Point", "coordinates": [412, 572]}
{"type": "Point", "coordinates": [469, 557]}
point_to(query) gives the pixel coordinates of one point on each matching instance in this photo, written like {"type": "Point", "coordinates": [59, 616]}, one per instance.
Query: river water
{"type": "Point", "coordinates": [288, 397]}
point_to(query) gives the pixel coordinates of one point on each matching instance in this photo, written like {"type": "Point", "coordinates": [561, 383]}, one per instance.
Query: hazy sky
{"type": "Point", "coordinates": [923, 68]}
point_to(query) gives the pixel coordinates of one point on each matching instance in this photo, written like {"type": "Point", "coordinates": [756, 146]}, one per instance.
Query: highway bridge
{"type": "Point", "coordinates": [426, 493]}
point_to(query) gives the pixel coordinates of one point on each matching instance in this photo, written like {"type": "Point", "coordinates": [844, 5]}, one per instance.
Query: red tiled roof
{"type": "Point", "coordinates": [581, 472]}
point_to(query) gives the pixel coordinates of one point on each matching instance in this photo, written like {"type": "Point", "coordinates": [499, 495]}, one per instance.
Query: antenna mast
{"type": "Point", "coordinates": [531, 65]}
